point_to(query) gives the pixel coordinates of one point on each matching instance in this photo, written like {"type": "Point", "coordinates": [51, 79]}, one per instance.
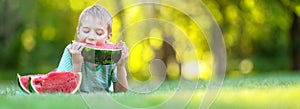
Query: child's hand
{"type": "Point", "coordinates": [124, 56]}
{"type": "Point", "coordinates": [75, 49]}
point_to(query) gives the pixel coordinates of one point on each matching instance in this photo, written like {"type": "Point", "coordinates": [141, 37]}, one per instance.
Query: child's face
{"type": "Point", "coordinates": [92, 32]}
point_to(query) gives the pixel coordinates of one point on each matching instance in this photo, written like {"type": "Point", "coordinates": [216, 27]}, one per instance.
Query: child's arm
{"type": "Point", "coordinates": [122, 84]}
{"type": "Point", "coordinates": [75, 50]}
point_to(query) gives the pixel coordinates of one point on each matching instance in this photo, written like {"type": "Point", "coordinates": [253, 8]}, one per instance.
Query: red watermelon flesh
{"type": "Point", "coordinates": [55, 82]}
{"type": "Point", "coordinates": [106, 46]}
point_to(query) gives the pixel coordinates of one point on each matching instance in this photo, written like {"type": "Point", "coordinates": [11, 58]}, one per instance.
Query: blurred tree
{"type": "Point", "coordinates": [10, 29]}
{"type": "Point", "coordinates": [262, 31]}
{"type": "Point", "coordinates": [294, 10]}
{"type": "Point", "coordinates": [295, 42]}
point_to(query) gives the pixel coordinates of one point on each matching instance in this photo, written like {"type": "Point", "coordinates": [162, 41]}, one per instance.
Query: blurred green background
{"type": "Point", "coordinates": [260, 36]}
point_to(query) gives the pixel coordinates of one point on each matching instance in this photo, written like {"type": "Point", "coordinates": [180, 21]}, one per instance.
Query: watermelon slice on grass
{"type": "Point", "coordinates": [23, 82]}
{"type": "Point", "coordinates": [104, 54]}
{"type": "Point", "coordinates": [53, 82]}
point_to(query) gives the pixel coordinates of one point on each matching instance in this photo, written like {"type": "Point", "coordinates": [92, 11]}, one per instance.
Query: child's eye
{"type": "Point", "coordinates": [86, 30]}
{"type": "Point", "coordinates": [99, 32]}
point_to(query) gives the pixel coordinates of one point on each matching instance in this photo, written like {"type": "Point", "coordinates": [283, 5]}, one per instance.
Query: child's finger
{"type": "Point", "coordinates": [78, 45]}
{"type": "Point", "coordinates": [122, 42]}
{"type": "Point", "coordinates": [127, 54]}
{"type": "Point", "coordinates": [72, 46]}
{"type": "Point", "coordinates": [80, 48]}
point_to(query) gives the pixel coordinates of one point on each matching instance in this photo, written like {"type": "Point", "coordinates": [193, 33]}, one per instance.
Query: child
{"type": "Point", "coordinates": [95, 27]}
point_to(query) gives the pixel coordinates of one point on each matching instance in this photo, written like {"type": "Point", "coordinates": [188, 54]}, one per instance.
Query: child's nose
{"type": "Point", "coordinates": [91, 37]}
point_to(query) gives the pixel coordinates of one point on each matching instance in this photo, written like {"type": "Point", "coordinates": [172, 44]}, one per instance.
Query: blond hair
{"type": "Point", "coordinates": [98, 12]}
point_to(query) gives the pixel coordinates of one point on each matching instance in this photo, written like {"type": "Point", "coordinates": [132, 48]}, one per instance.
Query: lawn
{"type": "Point", "coordinates": [252, 91]}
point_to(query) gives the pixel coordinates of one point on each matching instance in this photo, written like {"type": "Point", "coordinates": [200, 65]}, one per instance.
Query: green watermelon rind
{"type": "Point", "coordinates": [32, 89]}
{"type": "Point", "coordinates": [22, 87]}
{"type": "Point", "coordinates": [101, 56]}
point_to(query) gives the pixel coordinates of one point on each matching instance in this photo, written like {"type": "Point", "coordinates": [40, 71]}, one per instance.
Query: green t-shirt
{"type": "Point", "coordinates": [93, 79]}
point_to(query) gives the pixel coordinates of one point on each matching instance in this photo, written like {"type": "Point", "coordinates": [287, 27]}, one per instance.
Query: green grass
{"type": "Point", "coordinates": [280, 91]}
{"type": "Point", "coordinates": [252, 91]}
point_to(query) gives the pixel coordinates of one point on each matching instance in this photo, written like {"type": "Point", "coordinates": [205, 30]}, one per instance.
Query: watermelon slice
{"type": "Point", "coordinates": [23, 82]}
{"type": "Point", "coordinates": [53, 82]}
{"type": "Point", "coordinates": [104, 54]}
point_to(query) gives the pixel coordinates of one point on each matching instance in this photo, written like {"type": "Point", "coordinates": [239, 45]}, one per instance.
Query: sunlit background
{"type": "Point", "coordinates": [258, 36]}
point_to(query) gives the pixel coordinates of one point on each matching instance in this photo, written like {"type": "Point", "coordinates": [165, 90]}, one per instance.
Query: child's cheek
{"type": "Point", "coordinates": [100, 42]}
{"type": "Point", "coordinates": [81, 38]}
